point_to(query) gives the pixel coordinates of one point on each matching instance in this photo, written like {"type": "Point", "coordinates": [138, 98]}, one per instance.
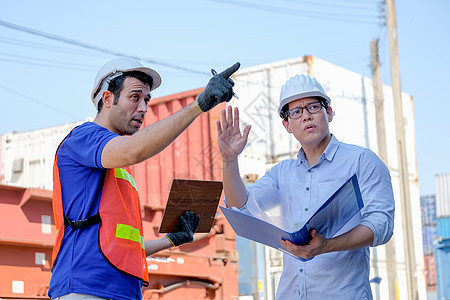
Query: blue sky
{"type": "Point", "coordinates": [46, 83]}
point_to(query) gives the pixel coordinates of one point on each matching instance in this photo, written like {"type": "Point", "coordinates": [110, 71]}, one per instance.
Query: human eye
{"type": "Point", "coordinates": [314, 107]}
{"type": "Point", "coordinates": [295, 112]}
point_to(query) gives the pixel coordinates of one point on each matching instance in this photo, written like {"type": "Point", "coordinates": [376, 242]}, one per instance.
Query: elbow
{"type": "Point", "coordinates": [382, 230]}
{"type": "Point", "coordinates": [385, 236]}
{"type": "Point", "coordinates": [385, 233]}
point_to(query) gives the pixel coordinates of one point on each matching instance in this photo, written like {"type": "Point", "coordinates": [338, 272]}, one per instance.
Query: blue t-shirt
{"type": "Point", "coordinates": [80, 266]}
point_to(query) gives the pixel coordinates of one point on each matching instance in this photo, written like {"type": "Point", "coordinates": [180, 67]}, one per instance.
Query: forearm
{"type": "Point", "coordinates": [358, 237]}
{"type": "Point", "coordinates": [149, 141]}
{"type": "Point", "coordinates": [234, 187]}
{"type": "Point", "coordinates": [153, 246]}
{"type": "Point", "coordinates": [156, 137]}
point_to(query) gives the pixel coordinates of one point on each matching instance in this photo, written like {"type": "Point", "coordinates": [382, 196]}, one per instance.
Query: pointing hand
{"type": "Point", "coordinates": [219, 89]}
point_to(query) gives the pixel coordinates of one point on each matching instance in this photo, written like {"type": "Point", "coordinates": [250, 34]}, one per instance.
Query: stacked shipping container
{"type": "Point", "coordinates": [428, 209]}
{"type": "Point", "coordinates": [443, 205]}
{"type": "Point", "coordinates": [27, 233]}
{"type": "Point", "coordinates": [442, 245]}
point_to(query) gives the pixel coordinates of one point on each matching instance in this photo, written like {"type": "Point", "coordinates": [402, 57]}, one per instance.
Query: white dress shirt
{"type": "Point", "coordinates": [300, 190]}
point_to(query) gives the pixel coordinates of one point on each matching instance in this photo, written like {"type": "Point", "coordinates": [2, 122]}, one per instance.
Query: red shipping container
{"type": "Point", "coordinates": [430, 272]}
{"type": "Point", "coordinates": [27, 233]}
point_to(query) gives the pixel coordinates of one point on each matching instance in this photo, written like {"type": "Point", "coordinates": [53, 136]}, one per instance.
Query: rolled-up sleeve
{"type": "Point", "coordinates": [379, 204]}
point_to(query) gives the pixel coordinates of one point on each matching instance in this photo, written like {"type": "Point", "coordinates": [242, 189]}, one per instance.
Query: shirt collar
{"type": "Point", "coordinates": [329, 152]}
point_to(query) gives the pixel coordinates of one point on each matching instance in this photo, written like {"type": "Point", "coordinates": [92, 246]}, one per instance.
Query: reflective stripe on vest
{"type": "Point", "coordinates": [123, 174]}
{"type": "Point", "coordinates": [128, 232]}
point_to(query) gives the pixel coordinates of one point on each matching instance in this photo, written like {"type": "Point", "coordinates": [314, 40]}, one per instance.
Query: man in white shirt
{"type": "Point", "coordinates": [339, 268]}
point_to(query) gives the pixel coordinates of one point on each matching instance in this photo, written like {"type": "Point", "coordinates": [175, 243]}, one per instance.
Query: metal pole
{"type": "Point", "coordinates": [405, 198]}
{"type": "Point", "coordinates": [391, 264]}
{"type": "Point", "coordinates": [271, 148]}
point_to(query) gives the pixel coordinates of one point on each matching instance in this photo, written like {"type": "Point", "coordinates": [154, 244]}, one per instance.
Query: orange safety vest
{"type": "Point", "coordinates": [120, 235]}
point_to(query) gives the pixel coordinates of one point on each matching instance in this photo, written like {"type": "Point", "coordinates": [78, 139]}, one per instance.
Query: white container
{"type": "Point", "coordinates": [442, 195]}
{"type": "Point", "coordinates": [27, 157]}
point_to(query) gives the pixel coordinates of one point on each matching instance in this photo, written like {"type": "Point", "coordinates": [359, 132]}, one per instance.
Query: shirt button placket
{"type": "Point", "coordinates": [308, 188]}
{"type": "Point", "coordinates": [302, 283]}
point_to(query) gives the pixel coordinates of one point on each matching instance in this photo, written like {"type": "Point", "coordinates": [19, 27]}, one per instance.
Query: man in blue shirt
{"type": "Point", "coordinates": [338, 267]}
{"type": "Point", "coordinates": [85, 265]}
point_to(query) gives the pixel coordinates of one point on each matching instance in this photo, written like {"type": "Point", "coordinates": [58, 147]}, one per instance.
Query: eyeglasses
{"type": "Point", "coordinates": [297, 112]}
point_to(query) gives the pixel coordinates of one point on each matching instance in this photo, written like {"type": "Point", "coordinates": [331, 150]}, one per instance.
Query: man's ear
{"type": "Point", "coordinates": [107, 98]}
{"type": "Point", "coordinates": [287, 126]}
{"type": "Point", "coordinates": [330, 113]}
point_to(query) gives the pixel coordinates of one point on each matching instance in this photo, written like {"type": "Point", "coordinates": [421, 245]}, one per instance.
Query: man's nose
{"type": "Point", "coordinates": [306, 115]}
{"type": "Point", "coordinates": [143, 106]}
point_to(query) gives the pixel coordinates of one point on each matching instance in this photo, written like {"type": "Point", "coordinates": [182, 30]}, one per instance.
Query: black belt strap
{"type": "Point", "coordinates": [80, 224]}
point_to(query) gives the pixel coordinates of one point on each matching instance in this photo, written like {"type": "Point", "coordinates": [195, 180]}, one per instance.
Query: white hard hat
{"type": "Point", "coordinates": [298, 87]}
{"type": "Point", "coordinates": [114, 69]}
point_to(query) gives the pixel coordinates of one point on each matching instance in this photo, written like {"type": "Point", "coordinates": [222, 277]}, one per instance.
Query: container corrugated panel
{"type": "Point", "coordinates": [247, 277]}
{"type": "Point", "coordinates": [28, 156]}
{"type": "Point", "coordinates": [428, 209]}
{"type": "Point", "coordinates": [443, 227]}
{"type": "Point", "coordinates": [2, 160]}
{"type": "Point", "coordinates": [429, 234]}
{"type": "Point", "coordinates": [442, 260]}
{"type": "Point", "coordinates": [443, 195]}
{"type": "Point", "coordinates": [27, 233]}
{"type": "Point", "coordinates": [430, 272]}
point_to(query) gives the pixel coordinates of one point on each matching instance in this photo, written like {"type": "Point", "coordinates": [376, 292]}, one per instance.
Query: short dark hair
{"type": "Point", "coordinates": [285, 108]}
{"type": "Point", "coordinates": [116, 85]}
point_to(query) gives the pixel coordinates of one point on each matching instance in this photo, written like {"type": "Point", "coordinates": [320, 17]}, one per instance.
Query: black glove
{"type": "Point", "coordinates": [187, 226]}
{"type": "Point", "coordinates": [218, 89]}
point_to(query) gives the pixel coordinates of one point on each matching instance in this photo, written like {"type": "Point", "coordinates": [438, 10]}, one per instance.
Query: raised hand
{"type": "Point", "coordinates": [231, 141]}
{"type": "Point", "coordinates": [219, 89]}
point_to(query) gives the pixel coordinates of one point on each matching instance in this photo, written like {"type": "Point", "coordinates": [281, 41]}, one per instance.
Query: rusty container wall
{"type": "Point", "coordinates": [206, 269]}
{"type": "Point", "coordinates": [2, 160]}
{"type": "Point", "coordinates": [27, 233]}
{"type": "Point", "coordinates": [430, 272]}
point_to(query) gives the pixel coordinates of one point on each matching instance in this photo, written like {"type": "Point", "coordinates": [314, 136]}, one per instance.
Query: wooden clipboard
{"type": "Point", "coordinates": [200, 196]}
